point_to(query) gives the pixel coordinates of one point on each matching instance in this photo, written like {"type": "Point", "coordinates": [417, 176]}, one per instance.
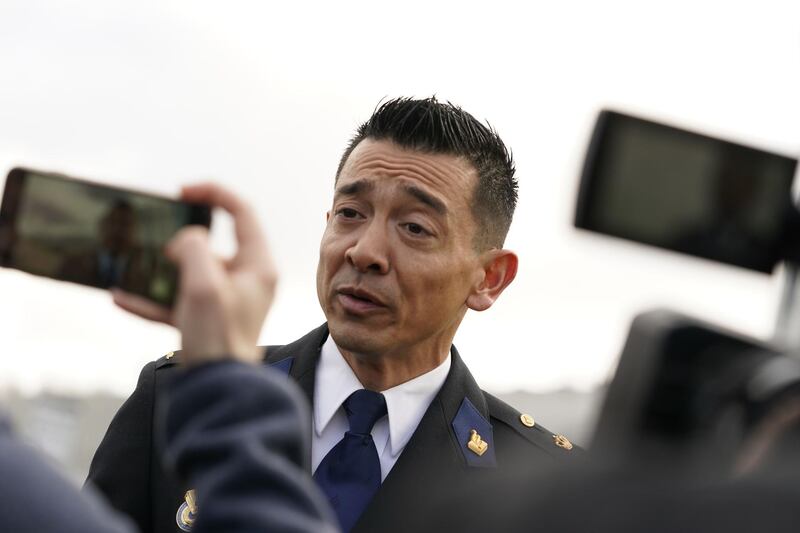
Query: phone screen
{"type": "Point", "coordinates": [686, 192]}
{"type": "Point", "coordinates": [78, 231]}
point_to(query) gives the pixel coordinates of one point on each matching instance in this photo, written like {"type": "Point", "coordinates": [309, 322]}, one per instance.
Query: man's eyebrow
{"type": "Point", "coordinates": [351, 189]}
{"type": "Point", "coordinates": [363, 185]}
{"type": "Point", "coordinates": [426, 198]}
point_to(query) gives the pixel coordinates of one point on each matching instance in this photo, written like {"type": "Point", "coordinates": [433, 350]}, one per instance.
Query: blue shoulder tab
{"type": "Point", "coordinates": [284, 365]}
{"type": "Point", "coordinates": [474, 434]}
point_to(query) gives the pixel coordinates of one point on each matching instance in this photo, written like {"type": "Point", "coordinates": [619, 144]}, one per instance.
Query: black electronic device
{"type": "Point", "coordinates": [688, 395]}
{"type": "Point", "coordinates": [691, 193]}
{"type": "Point", "coordinates": [97, 235]}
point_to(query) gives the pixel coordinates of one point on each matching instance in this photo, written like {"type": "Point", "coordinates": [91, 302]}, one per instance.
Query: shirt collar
{"type": "Point", "coordinates": [405, 403]}
{"type": "Point", "coordinates": [334, 382]}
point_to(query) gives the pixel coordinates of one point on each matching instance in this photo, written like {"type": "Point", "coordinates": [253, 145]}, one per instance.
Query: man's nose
{"type": "Point", "coordinates": [370, 252]}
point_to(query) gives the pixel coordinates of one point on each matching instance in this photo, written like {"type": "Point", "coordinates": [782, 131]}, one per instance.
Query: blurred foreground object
{"type": "Point", "coordinates": [693, 398]}
{"type": "Point", "coordinates": [690, 193]}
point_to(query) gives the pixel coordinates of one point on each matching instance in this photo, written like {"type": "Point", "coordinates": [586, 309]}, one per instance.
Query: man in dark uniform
{"type": "Point", "coordinates": [424, 197]}
{"type": "Point", "coordinates": [233, 430]}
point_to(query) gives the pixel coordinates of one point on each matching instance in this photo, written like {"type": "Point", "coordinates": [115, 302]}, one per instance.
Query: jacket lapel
{"type": "Point", "coordinates": [303, 355]}
{"type": "Point", "coordinates": [300, 358]}
{"type": "Point", "coordinates": [432, 460]}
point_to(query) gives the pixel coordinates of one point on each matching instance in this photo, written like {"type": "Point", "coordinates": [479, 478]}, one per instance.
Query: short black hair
{"type": "Point", "coordinates": [437, 127]}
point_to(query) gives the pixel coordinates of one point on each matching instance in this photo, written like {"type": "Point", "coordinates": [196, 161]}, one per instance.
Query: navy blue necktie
{"type": "Point", "coordinates": [351, 472]}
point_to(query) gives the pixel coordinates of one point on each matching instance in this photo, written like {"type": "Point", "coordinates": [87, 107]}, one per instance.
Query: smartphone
{"type": "Point", "coordinates": [96, 235]}
{"type": "Point", "coordinates": [687, 192]}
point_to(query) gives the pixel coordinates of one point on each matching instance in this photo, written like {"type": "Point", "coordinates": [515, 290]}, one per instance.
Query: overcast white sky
{"type": "Point", "coordinates": [263, 98]}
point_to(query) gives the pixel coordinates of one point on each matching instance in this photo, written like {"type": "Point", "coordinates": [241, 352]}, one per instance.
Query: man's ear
{"type": "Point", "coordinates": [499, 270]}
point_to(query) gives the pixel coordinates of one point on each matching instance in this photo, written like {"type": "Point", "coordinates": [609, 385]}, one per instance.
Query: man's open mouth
{"type": "Point", "coordinates": [359, 299]}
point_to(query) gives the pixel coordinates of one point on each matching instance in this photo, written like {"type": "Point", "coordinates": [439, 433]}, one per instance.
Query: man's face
{"type": "Point", "coordinates": [397, 262]}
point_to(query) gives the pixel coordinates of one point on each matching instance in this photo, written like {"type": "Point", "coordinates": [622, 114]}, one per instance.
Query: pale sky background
{"type": "Point", "coordinates": [264, 96]}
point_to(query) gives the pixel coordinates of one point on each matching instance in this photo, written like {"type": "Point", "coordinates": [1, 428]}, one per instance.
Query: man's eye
{"type": "Point", "coordinates": [416, 229]}
{"type": "Point", "coordinates": [348, 213]}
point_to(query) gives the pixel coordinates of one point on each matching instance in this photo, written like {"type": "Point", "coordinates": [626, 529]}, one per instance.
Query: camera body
{"type": "Point", "coordinates": [689, 397]}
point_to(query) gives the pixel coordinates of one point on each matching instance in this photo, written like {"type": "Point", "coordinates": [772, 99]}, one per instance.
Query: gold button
{"type": "Point", "coordinates": [185, 518]}
{"type": "Point", "coordinates": [527, 420]}
{"type": "Point", "coordinates": [562, 442]}
{"type": "Point", "coordinates": [169, 355]}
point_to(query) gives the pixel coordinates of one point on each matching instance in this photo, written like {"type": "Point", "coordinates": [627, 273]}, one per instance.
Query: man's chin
{"type": "Point", "coordinates": [355, 336]}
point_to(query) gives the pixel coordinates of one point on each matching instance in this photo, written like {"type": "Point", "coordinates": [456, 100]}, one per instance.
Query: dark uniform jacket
{"type": "Point", "coordinates": [464, 434]}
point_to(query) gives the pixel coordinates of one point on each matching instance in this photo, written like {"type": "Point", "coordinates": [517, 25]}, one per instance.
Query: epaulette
{"type": "Point", "coordinates": [168, 359]}
{"type": "Point", "coordinates": [524, 424]}
{"type": "Point", "coordinates": [173, 358]}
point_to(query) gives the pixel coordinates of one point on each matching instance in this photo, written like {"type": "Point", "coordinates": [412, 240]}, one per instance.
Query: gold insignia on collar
{"type": "Point", "coordinates": [169, 355]}
{"type": "Point", "coordinates": [477, 445]}
{"type": "Point", "coordinates": [527, 420]}
{"type": "Point", "coordinates": [562, 442]}
{"type": "Point", "coordinates": [187, 512]}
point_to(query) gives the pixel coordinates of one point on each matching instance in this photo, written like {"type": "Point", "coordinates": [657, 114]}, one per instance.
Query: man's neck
{"type": "Point", "coordinates": [382, 373]}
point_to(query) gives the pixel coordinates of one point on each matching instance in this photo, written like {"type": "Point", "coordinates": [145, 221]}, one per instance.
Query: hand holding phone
{"type": "Point", "coordinates": [221, 304]}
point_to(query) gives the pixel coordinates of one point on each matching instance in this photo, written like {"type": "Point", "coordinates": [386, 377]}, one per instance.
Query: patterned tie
{"type": "Point", "coordinates": [351, 472]}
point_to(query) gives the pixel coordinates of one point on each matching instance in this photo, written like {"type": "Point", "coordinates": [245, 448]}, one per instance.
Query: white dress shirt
{"type": "Point", "coordinates": [406, 404]}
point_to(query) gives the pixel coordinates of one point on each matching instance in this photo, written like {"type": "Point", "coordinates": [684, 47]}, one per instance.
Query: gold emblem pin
{"type": "Point", "coordinates": [476, 444]}
{"type": "Point", "coordinates": [187, 512]}
{"type": "Point", "coordinates": [527, 420]}
{"type": "Point", "coordinates": [562, 442]}
{"type": "Point", "coordinates": [191, 501]}
{"type": "Point", "coordinates": [169, 355]}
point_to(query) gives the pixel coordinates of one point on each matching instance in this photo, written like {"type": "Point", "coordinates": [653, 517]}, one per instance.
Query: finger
{"type": "Point", "coordinates": [249, 235]}
{"type": "Point", "coordinates": [200, 270]}
{"type": "Point", "coordinates": [141, 306]}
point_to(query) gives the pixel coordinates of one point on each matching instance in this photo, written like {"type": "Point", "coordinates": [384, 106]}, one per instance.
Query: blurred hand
{"type": "Point", "coordinates": [221, 304]}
